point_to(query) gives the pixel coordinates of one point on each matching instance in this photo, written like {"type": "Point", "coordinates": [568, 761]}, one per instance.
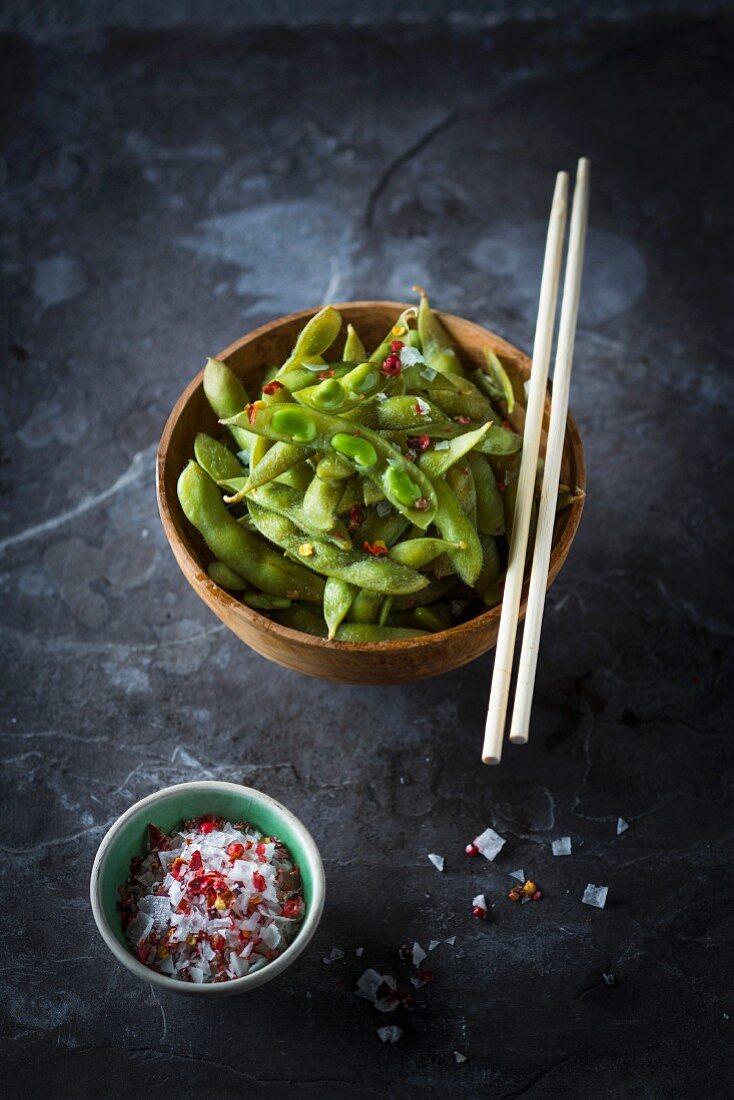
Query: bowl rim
{"type": "Point", "coordinates": [232, 985]}
{"type": "Point", "coordinates": [477, 624]}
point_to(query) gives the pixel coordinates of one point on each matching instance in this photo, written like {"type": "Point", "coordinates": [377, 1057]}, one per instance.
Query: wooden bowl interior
{"type": "Point", "coordinates": [249, 357]}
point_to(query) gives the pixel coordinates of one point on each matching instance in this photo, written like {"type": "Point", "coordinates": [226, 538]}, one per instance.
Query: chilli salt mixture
{"type": "Point", "coordinates": [212, 902]}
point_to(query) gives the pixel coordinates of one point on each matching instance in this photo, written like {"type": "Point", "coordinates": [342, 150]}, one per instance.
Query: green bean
{"type": "Point", "coordinates": [456, 527]}
{"type": "Point", "coordinates": [436, 344]}
{"type": "Point", "coordinates": [321, 501]}
{"type": "Point", "coordinates": [353, 346]}
{"type": "Point", "coordinates": [362, 570]}
{"type": "Point", "coordinates": [490, 509]}
{"type": "Point", "coordinates": [227, 396]}
{"type": "Point", "coordinates": [338, 598]}
{"type": "Point", "coordinates": [417, 553]}
{"type": "Point", "coordinates": [214, 457]}
{"type": "Point", "coordinates": [242, 551]}
{"type": "Point", "coordinates": [403, 483]}
{"type": "Point", "coordinates": [290, 503]}
{"type": "Point", "coordinates": [222, 575]}
{"type": "Point", "coordinates": [366, 632]}
{"type": "Point", "coordinates": [437, 462]}
{"type": "Point", "coordinates": [316, 337]}
{"type": "Point", "coordinates": [259, 601]}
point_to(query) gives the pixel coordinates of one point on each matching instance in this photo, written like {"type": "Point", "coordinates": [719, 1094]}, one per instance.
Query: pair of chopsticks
{"type": "Point", "coordinates": [501, 677]}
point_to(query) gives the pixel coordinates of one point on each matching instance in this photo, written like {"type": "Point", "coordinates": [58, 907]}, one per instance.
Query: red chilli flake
{"type": "Point", "coordinates": [356, 515]}
{"type": "Point", "coordinates": [253, 409]}
{"type": "Point", "coordinates": [207, 827]}
{"type": "Point", "coordinates": [273, 387]}
{"type": "Point", "coordinates": [157, 841]}
{"type": "Point", "coordinates": [462, 419]}
{"type": "Point", "coordinates": [258, 881]}
{"type": "Point", "coordinates": [291, 908]}
{"type": "Point", "coordinates": [421, 504]}
{"type": "Point", "coordinates": [376, 549]}
{"type": "Point", "coordinates": [324, 374]}
{"type": "Point", "coordinates": [419, 442]}
{"type": "Point", "coordinates": [425, 976]}
{"type": "Point", "coordinates": [392, 365]}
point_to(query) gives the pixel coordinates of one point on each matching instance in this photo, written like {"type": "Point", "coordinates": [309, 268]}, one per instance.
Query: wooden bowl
{"type": "Point", "coordinates": [350, 663]}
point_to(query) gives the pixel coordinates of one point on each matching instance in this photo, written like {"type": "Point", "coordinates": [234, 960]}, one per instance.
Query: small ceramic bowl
{"type": "Point", "coordinates": [167, 809]}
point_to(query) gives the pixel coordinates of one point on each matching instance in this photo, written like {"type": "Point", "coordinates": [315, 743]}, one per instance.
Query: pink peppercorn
{"type": "Point", "coordinates": [478, 912]}
{"type": "Point", "coordinates": [471, 850]}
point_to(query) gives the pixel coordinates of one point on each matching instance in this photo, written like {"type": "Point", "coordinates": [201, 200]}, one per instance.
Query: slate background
{"type": "Point", "coordinates": [168, 188]}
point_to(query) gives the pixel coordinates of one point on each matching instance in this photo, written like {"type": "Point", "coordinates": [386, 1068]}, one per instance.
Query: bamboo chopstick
{"type": "Point", "coordinates": [500, 691]}
{"type": "Point", "coordinates": [520, 725]}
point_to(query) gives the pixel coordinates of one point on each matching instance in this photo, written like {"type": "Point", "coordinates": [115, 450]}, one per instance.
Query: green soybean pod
{"type": "Point", "coordinates": [365, 607]}
{"type": "Point", "coordinates": [437, 462]}
{"type": "Point", "coordinates": [259, 601]}
{"type": "Point", "coordinates": [490, 509]}
{"type": "Point", "coordinates": [353, 496]}
{"type": "Point", "coordinates": [435, 617]}
{"type": "Point", "coordinates": [372, 493]}
{"type": "Point", "coordinates": [461, 482]}
{"type": "Point", "coordinates": [280, 458]}
{"type": "Point", "coordinates": [227, 397]}
{"type": "Point", "coordinates": [386, 528]}
{"type": "Point", "coordinates": [321, 501]}
{"type": "Point", "coordinates": [351, 566]}
{"type": "Point", "coordinates": [464, 400]}
{"type": "Point", "coordinates": [436, 589]}
{"type": "Point", "coordinates": [316, 337]}
{"type": "Point", "coordinates": [289, 503]}
{"type": "Point", "coordinates": [491, 566]}
{"type": "Point", "coordinates": [353, 346]}
{"type": "Point", "coordinates": [222, 575]}
{"type": "Point", "coordinates": [403, 483]}
{"type": "Point", "coordinates": [331, 466]}
{"type": "Point", "coordinates": [214, 457]}
{"type": "Point", "coordinates": [455, 526]}
{"type": "Point", "coordinates": [438, 351]}
{"type": "Point", "coordinates": [301, 618]}
{"type": "Point", "coordinates": [368, 632]}
{"type": "Point", "coordinates": [338, 598]}
{"type": "Point", "coordinates": [298, 477]}
{"type": "Point", "coordinates": [407, 411]}
{"type": "Point", "coordinates": [418, 553]}
{"type": "Point", "coordinates": [398, 331]}
{"type": "Point", "coordinates": [240, 550]}
{"type": "Point", "coordinates": [307, 375]}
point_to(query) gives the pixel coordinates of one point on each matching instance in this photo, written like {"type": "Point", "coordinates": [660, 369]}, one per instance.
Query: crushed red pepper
{"type": "Point", "coordinates": [273, 387]}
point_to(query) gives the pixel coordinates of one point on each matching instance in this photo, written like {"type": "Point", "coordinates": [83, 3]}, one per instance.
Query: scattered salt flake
{"type": "Point", "coordinates": [381, 396]}
{"type": "Point", "coordinates": [418, 954]}
{"type": "Point", "coordinates": [422, 407]}
{"type": "Point", "coordinates": [479, 902]}
{"type": "Point", "coordinates": [359, 952]}
{"type": "Point", "coordinates": [389, 1034]}
{"type": "Point", "coordinates": [371, 983]}
{"type": "Point", "coordinates": [595, 895]}
{"type": "Point", "coordinates": [334, 954]}
{"type": "Point", "coordinates": [489, 843]}
{"type": "Point", "coordinates": [562, 846]}
{"type": "Point", "coordinates": [383, 507]}
{"type": "Point", "coordinates": [409, 356]}
{"type": "Point", "coordinates": [159, 908]}
{"type": "Point", "coordinates": [451, 941]}
{"type": "Point", "coordinates": [433, 944]}
{"type": "Point", "coordinates": [429, 374]}
{"type": "Point", "coordinates": [622, 826]}
{"type": "Point", "coordinates": [139, 927]}
{"type": "Point", "coordinates": [519, 875]}
{"type": "Point", "coordinates": [436, 860]}
{"type": "Point", "coordinates": [442, 445]}
{"type": "Point", "coordinates": [459, 1057]}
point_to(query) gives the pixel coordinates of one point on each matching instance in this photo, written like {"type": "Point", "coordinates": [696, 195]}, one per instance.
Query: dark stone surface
{"type": "Point", "coordinates": [166, 191]}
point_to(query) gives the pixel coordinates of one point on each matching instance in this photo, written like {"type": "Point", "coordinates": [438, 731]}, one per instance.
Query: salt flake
{"type": "Point", "coordinates": [139, 928]}
{"type": "Point", "coordinates": [429, 374]}
{"type": "Point", "coordinates": [433, 945]}
{"type": "Point", "coordinates": [409, 356]}
{"type": "Point", "coordinates": [489, 843]}
{"type": "Point", "coordinates": [479, 902]}
{"type": "Point", "coordinates": [451, 940]}
{"type": "Point", "coordinates": [459, 1057]}
{"type": "Point", "coordinates": [389, 1034]}
{"type": "Point", "coordinates": [562, 846]}
{"type": "Point", "coordinates": [442, 445]}
{"type": "Point", "coordinates": [436, 860]}
{"type": "Point", "coordinates": [359, 952]}
{"type": "Point", "coordinates": [519, 875]}
{"type": "Point", "coordinates": [418, 954]}
{"type": "Point", "coordinates": [334, 954]}
{"type": "Point", "coordinates": [622, 826]}
{"type": "Point", "coordinates": [595, 895]}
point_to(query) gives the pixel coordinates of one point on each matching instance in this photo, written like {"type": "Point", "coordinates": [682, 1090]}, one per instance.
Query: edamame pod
{"type": "Point", "coordinates": [214, 457]}
{"type": "Point", "coordinates": [366, 607]}
{"type": "Point", "coordinates": [362, 570]}
{"type": "Point", "coordinates": [418, 553]}
{"type": "Point", "coordinates": [290, 503]}
{"type": "Point", "coordinates": [490, 510]}
{"type": "Point", "coordinates": [241, 551]}
{"type": "Point", "coordinates": [365, 632]}
{"type": "Point", "coordinates": [338, 598]}
{"type": "Point", "coordinates": [491, 566]}
{"type": "Point", "coordinates": [402, 482]}
{"type": "Point", "coordinates": [436, 344]}
{"type": "Point", "coordinates": [227, 396]}
{"type": "Point", "coordinates": [321, 501]}
{"type": "Point", "coordinates": [456, 527]}
{"type": "Point", "coordinates": [353, 346]}
{"type": "Point", "coordinates": [259, 601]}
{"type": "Point", "coordinates": [340, 395]}
{"type": "Point", "coordinates": [437, 462]}
{"type": "Point", "coordinates": [222, 575]}
{"type": "Point", "coordinates": [314, 339]}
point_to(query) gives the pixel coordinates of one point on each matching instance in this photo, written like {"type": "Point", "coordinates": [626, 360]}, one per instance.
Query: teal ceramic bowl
{"type": "Point", "coordinates": [167, 809]}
